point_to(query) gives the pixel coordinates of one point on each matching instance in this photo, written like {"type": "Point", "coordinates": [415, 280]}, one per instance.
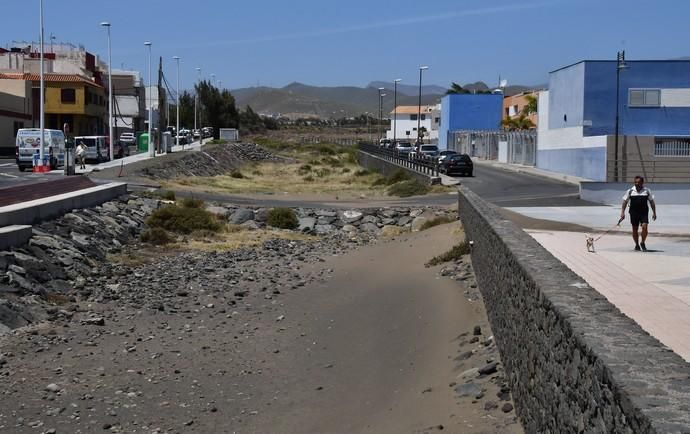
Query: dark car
{"type": "Point", "coordinates": [444, 154]}
{"type": "Point", "coordinates": [459, 163]}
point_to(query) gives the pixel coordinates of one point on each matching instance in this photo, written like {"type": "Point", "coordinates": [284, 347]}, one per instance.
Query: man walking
{"type": "Point", "coordinates": [81, 154]}
{"type": "Point", "coordinates": [638, 196]}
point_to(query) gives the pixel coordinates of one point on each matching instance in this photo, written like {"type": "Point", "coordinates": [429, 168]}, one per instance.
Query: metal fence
{"type": "Point", "coordinates": [520, 147]}
{"type": "Point", "coordinates": [671, 147]}
{"type": "Point", "coordinates": [651, 170]}
{"type": "Point", "coordinates": [424, 165]}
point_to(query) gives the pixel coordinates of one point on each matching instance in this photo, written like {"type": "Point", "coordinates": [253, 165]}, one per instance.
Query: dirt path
{"type": "Point", "coordinates": [312, 340]}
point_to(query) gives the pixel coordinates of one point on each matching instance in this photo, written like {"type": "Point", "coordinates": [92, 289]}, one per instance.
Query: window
{"type": "Point", "coordinates": [644, 97]}
{"type": "Point", "coordinates": [423, 117]}
{"type": "Point", "coordinates": [17, 127]}
{"type": "Point", "coordinates": [437, 120]}
{"type": "Point", "coordinates": [671, 147]}
{"type": "Point", "coordinates": [68, 96]}
{"type": "Point", "coordinates": [413, 117]}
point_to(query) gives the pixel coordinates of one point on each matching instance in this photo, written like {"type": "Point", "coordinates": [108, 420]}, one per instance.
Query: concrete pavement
{"type": "Point", "coordinates": [652, 288]}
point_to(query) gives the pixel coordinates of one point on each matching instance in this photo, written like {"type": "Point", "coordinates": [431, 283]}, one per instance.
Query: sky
{"type": "Point", "coordinates": [351, 43]}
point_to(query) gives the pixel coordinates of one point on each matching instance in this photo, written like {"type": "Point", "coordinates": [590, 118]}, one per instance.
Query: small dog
{"type": "Point", "coordinates": [589, 240]}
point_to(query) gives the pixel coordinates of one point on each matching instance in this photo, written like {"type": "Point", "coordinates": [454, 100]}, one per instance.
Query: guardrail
{"type": "Point", "coordinates": [424, 165]}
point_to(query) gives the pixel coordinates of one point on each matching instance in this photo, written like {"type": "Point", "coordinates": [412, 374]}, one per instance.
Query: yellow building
{"type": "Point", "coordinates": [69, 99]}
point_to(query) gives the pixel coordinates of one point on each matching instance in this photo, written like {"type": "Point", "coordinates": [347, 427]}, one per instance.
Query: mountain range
{"type": "Point", "coordinates": [301, 100]}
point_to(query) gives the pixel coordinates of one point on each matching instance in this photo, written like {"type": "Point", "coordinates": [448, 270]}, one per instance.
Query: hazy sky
{"type": "Point", "coordinates": [353, 42]}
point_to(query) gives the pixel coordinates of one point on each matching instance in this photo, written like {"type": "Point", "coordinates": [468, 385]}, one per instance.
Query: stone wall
{"type": "Point", "coordinates": [575, 362]}
{"type": "Point", "coordinates": [388, 168]}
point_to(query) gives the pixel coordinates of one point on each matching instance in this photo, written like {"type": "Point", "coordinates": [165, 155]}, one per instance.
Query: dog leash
{"type": "Point", "coordinates": [612, 228]}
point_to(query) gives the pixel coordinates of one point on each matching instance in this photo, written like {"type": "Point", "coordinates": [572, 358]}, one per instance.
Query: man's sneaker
{"type": "Point", "coordinates": [644, 248]}
{"type": "Point", "coordinates": [637, 247]}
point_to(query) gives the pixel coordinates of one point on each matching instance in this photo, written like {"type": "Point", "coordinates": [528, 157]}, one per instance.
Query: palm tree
{"type": "Point", "coordinates": [456, 89]}
{"type": "Point", "coordinates": [531, 106]}
{"type": "Point", "coordinates": [517, 123]}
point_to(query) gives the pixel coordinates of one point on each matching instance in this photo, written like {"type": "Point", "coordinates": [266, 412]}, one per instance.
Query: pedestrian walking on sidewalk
{"type": "Point", "coordinates": [81, 155]}
{"type": "Point", "coordinates": [639, 196]}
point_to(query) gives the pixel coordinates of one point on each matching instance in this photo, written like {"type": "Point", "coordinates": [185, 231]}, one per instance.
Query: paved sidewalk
{"type": "Point", "coordinates": [652, 288]}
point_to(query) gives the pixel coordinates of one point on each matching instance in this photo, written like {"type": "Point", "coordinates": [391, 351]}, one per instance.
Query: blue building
{"type": "Point", "coordinates": [577, 115]}
{"type": "Point", "coordinates": [463, 112]}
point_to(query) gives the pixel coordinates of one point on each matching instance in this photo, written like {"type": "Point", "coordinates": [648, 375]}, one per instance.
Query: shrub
{"type": "Point", "coordinates": [322, 173]}
{"type": "Point", "coordinates": [439, 220]}
{"type": "Point", "coordinates": [156, 236]}
{"type": "Point", "coordinates": [314, 162]}
{"type": "Point", "coordinates": [190, 202]}
{"type": "Point", "coordinates": [380, 180]}
{"type": "Point", "coordinates": [345, 170]}
{"type": "Point", "coordinates": [398, 176]}
{"type": "Point", "coordinates": [362, 172]}
{"type": "Point", "coordinates": [168, 195]}
{"type": "Point", "coordinates": [326, 149]}
{"type": "Point", "coordinates": [332, 161]}
{"type": "Point", "coordinates": [351, 156]}
{"type": "Point", "coordinates": [183, 219]}
{"type": "Point", "coordinates": [236, 174]}
{"type": "Point", "coordinates": [407, 189]}
{"type": "Point", "coordinates": [304, 169]}
{"type": "Point", "coordinates": [455, 253]}
{"type": "Point", "coordinates": [308, 178]}
{"type": "Point", "coordinates": [283, 218]}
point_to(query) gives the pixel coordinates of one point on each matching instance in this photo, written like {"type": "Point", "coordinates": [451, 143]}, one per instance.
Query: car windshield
{"type": "Point", "coordinates": [429, 148]}
{"type": "Point", "coordinates": [404, 145]}
{"type": "Point", "coordinates": [464, 158]}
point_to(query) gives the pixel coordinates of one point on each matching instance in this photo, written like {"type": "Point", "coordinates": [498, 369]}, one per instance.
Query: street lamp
{"type": "Point", "coordinates": [110, 92]}
{"type": "Point", "coordinates": [152, 152]}
{"type": "Point", "coordinates": [177, 125]}
{"type": "Point", "coordinates": [42, 92]}
{"type": "Point", "coordinates": [395, 108]}
{"type": "Point", "coordinates": [620, 65]}
{"type": "Point", "coordinates": [419, 103]}
{"type": "Point", "coordinates": [380, 108]}
{"type": "Point", "coordinates": [196, 96]}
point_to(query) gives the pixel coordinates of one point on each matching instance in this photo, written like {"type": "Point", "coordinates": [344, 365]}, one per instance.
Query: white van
{"type": "Point", "coordinates": [28, 144]}
{"type": "Point", "coordinates": [97, 148]}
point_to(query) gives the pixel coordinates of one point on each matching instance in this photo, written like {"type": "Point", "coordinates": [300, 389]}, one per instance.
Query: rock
{"type": "Point", "coordinates": [17, 269]}
{"type": "Point", "coordinates": [417, 223]}
{"type": "Point", "coordinates": [241, 215]}
{"type": "Point", "coordinates": [477, 330]}
{"type": "Point", "coordinates": [261, 215]}
{"type": "Point", "coordinates": [306, 224]}
{"type": "Point", "coordinates": [351, 216]}
{"type": "Point", "coordinates": [16, 279]}
{"type": "Point", "coordinates": [507, 407]}
{"type": "Point", "coordinates": [250, 225]}
{"type": "Point", "coordinates": [490, 405]}
{"type": "Point", "coordinates": [325, 213]}
{"type": "Point", "coordinates": [489, 369]}
{"type": "Point", "coordinates": [218, 210]}
{"type": "Point", "coordinates": [349, 228]}
{"type": "Point", "coordinates": [404, 221]}
{"type": "Point", "coordinates": [470, 373]}
{"type": "Point", "coordinates": [392, 231]}
{"type": "Point", "coordinates": [369, 227]}
{"type": "Point", "coordinates": [369, 219]}
{"type": "Point", "coordinates": [324, 229]}
{"type": "Point", "coordinates": [52, 387]}
{"type": "Point", "coordinates": [468, 389]}
{"type": "Point", "coordinates": [95, 320]}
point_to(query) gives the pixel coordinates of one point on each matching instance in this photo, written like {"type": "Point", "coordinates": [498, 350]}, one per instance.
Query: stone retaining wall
{"type": "Point", "coordinates": [575, 362]}
{"type": "Point", "coordinates": [388, 168]}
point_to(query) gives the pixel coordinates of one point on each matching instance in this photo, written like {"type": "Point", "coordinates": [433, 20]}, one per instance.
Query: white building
{"type": "Point", "coordinates": [404, 119]}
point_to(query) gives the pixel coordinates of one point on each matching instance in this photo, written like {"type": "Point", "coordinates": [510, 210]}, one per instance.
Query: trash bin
{"type": "Point", "coordinates": [143, 142]}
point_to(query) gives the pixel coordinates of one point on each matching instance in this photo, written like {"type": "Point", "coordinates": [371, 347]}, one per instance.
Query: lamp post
{"type": "Point", "coordinates": [395, 109]}
{"type": "Point", "coordinates": [42, 92]}
{"type": "Point", "coordinates": [196, 96]}
{"type": "Point", "coordinates": [620, 65]}
{"type": "Point", "coordinates": [110, 93]}
{"type": "Point", "coordinates": [419, 104]}
{"type": "Point", "coordinates": [177, 124]}
{"type": "Point", "coordinates": [152, 152]}
{"type": "Point", "coordinates": [380, 108]}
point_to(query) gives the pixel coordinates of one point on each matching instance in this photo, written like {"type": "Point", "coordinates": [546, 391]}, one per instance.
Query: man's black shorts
{"type": "Point", "coordinates": [639, 217]}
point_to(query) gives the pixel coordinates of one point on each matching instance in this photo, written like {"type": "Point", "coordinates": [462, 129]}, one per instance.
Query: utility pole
{"type": "Point", "coordinates": [162, 120]}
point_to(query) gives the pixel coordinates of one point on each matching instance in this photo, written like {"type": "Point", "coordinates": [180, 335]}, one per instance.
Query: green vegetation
{"type": "Point", "coordinates": [362, 172]}
{"type": "Point", "coordinates": [184, 219]}
{"type": "Point", "coordinates": [457, 252]}
{"type": "Point", "coordinates": [157, 237]}
{"type": "Point", "coordinates": [282, 218]}
{"type": "Point", "coordinates": [236, 174]}
{"type": "Point", "coordinates": [440, 220]}
{"type": "Point", "coordinates": [168, 195]}
{"type": "Point", "coordinates": [408, 188]}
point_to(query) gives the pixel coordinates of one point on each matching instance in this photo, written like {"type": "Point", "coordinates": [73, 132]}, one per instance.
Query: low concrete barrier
{"type": "Point", "coordinates": [611, 193]}
{"type": "Point", "coordinates": [14, 235]}
{"type": "Point", "coordinates": [574, 361]}
{"type": "Point", "coordinates": [387, 168]}
{"type": "Point", "coordinates": [34, 211]}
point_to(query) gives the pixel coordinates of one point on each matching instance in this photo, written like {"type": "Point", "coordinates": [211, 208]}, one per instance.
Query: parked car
{"type": "Point", "coordinates": [425, 151]}
{"type": "Point", "coordinates": [458, 163]}
{"type": "Point", "coordinates": [384, 143]}
{"type": "Point", "coordinates": [443, 154]}
{"type": "Point", "coordinates": [121, 149]}
{"type": "Point", "coordinates": [404, 148]}
{"type": "Point", "coordinates": [128, 138]}
{"type": "Point", "coordinates": [97, 148]}
{"type": "Point", "coordinates": [185, 136]}
{"type": "Point", "coordinates": [207, 132]}
{"type": "Point", "coordinates": [196, 134]}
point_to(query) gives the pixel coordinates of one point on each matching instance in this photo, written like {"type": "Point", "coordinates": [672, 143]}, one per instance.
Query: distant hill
{"type": "Point", "coordinates": [301, 100]}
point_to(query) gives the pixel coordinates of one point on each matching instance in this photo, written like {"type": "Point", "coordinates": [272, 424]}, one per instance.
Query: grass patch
{"type": "Point", "coordinates": [362, 172]}
{"type": "Point", "coordinates": [231, 240]}
{"type": "Point", "coordinates": [282, 218]}
{"type": "Point", "coordinates": [398, 176]}
{"type": "Point", "coordinates": [408, 188]}
{"type": "Point", "coordinates": [157, 237]}
{"type": "Point", "coordinates": [168, 195]}
{"type": "Point", "coordinates": [345, 170]}
{"type": "Point", "coordinates": [184, 219]}
{"type": "Point", "coordinates": [439, 220]}
{"type": "Point", "coordinates": [455, 253]}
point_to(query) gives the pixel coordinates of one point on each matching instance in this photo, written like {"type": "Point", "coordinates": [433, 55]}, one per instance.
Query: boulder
{"type": "Point", "coordinates": [241, 215]}
{"type": "Point", "coordinates": [350, 228]}
{"type": "Point", "coordinates": [261, 215]}
{"type": "Point", "coordinates": [351, 216]}
{"type": "Point", "coordinates": [369, 227]}
{"type": "Point", "coordinates": [324, 229]}
{"type": "Point", "coordinates": [251, 225]}
{"type": "Point", "coordinates": [219, 211]}
{"type": "Point", "coordinates": [306, 224]}
{"type": "Point", "coordinates": [418, 222]}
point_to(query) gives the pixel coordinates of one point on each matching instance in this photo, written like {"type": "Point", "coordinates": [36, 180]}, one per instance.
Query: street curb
{"type": "Point", "coordinates": [535, 172]}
